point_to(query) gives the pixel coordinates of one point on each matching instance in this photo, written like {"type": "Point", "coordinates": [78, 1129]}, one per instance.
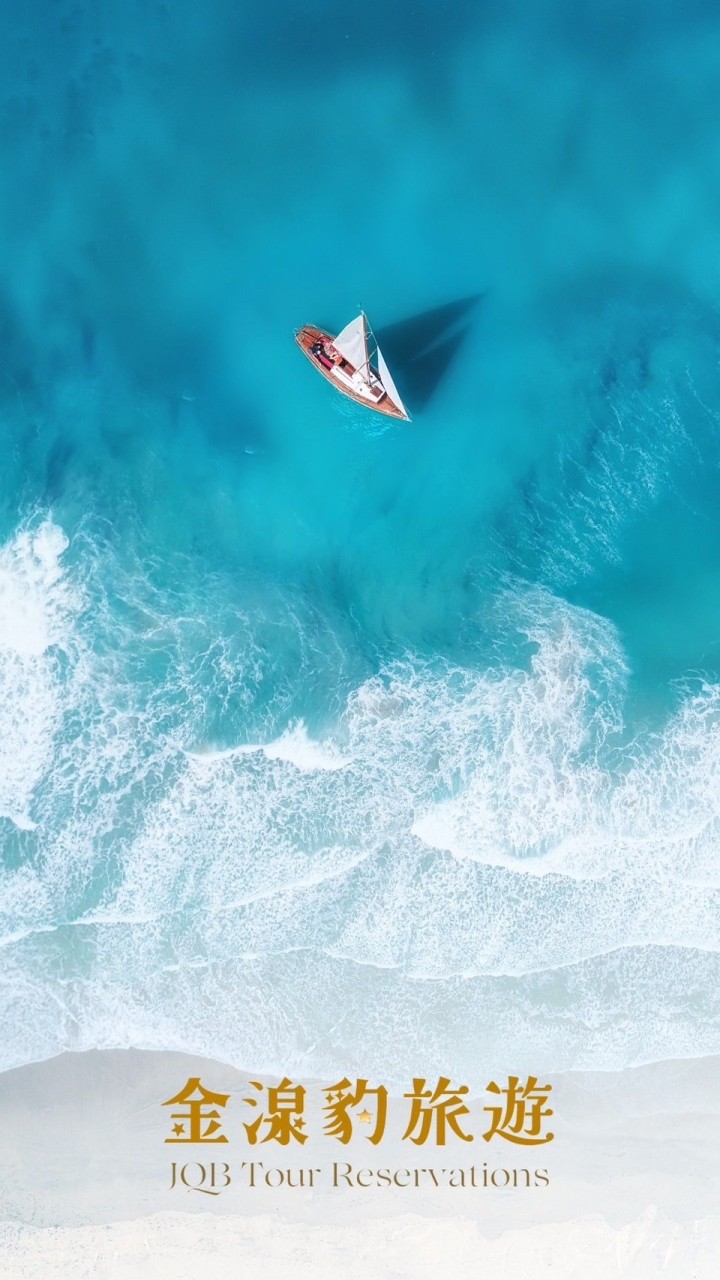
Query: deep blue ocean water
{"type": "Point", "coordinates": [329, 743]}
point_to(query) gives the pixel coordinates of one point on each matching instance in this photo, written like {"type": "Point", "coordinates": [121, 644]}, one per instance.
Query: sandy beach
{"type": "Point", "coordinates": [633, 1179]}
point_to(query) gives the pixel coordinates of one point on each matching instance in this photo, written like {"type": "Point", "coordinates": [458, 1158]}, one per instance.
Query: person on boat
{"type": "Point", "coordinates": [318, 350]}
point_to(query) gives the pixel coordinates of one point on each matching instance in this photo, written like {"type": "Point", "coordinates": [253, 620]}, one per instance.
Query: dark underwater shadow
{"type": "Point", "coordinates": [422, 349]}
{"type": "Point", "coordinates": [316, 43]}
{"type": "Point", "coordinates": [617, 511]}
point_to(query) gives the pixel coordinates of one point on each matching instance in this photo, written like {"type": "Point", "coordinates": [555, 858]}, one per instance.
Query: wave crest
{"type": "Point", "coordinates": [472, 832]}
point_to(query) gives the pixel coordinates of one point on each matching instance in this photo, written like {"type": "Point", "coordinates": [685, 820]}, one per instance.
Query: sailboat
{"type": "Point", "coordinates": [349, 364]}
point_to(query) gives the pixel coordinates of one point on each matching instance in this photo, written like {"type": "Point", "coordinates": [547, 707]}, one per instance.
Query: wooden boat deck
{"type": "Point", "coordinates": [305, 339]}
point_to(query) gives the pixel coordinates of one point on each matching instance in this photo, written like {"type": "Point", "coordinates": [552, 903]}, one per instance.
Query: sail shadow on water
{"type": "Point", "coordinates": [424, 347]}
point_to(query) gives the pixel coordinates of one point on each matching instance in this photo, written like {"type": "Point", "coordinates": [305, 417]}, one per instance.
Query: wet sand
{"type": "Point", "coordinates": [634, 1175]}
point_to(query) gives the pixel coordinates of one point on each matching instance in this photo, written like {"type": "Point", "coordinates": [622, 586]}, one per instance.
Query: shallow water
{"type": "Point", "coordinates": [295, 700]}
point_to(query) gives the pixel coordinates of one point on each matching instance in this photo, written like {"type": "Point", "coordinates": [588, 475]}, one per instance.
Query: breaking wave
{"type": "Point", "coordinates": [453, 864]}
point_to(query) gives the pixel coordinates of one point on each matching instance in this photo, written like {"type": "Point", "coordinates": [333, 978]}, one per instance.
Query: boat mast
{"type": "Point", "coordinates": [367, 328]}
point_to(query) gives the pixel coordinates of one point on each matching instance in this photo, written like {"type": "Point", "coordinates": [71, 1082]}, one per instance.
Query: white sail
{"type": "Point", "coordinates": [388, 383]}
{"type": "Point", "coordinates": [351, 342]}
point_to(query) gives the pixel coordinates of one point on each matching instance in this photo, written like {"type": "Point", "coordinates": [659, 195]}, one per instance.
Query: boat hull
{"type": "Point", "coordinates": [306, 337]}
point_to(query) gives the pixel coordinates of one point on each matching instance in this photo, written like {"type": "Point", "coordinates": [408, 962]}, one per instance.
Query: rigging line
{"type": "Point", "coordinates": [367, 326]}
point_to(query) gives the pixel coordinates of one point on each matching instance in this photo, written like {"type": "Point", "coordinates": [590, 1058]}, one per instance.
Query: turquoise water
{"type": "Point", "coordinates": [329, 742]}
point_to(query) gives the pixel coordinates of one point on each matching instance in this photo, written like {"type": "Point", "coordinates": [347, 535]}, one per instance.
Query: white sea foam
{"type": "Point", "coordinates": [469, 859]}
{"type": "Point", "coordinates": [294, 746]}
{"type": "Point", "coordinates": [37, 608]}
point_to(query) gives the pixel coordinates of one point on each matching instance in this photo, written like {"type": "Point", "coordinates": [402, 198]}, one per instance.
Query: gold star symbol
{"type": "Point", "coordinates": [365, 1117]}
{"type": "Point", "coordinates": [178, 1129]}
